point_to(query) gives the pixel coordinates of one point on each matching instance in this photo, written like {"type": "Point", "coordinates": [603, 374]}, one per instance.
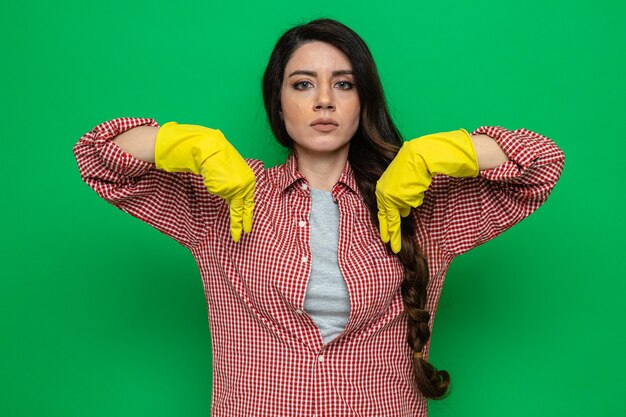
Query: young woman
{"type": "Point", "coordinates": [311, 312]}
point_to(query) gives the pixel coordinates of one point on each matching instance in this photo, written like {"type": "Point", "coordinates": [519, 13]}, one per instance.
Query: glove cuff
{"type": "Point", "coordinates": [183, 147]}
{"type": "Point", "coordinates": [450, 153]}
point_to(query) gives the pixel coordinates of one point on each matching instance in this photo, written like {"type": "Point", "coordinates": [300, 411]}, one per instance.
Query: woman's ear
{"type": "Point", "coordinates": [280, 112]}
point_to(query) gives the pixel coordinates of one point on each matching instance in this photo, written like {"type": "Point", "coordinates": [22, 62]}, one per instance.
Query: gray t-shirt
{"type": "Point", "coordinates": [327, 300]}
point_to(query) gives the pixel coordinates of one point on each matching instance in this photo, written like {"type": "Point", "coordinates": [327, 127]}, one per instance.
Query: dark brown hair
{"type": "Point", "coordinates": [373, 146]}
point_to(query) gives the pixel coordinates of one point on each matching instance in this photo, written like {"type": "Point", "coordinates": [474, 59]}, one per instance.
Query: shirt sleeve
{"type": "Point", "coordinates": [177, 204]}
{"type": "Point", "coordinates": [462, 213]}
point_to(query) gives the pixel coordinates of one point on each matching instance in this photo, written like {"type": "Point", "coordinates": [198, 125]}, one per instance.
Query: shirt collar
{"type": "Point", "coordinates": [290, 176]}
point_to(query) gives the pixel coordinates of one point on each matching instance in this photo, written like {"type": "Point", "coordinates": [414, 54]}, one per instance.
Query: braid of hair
{"type": "Point", "coordinates": [431, 382]}
{"type": "Point", "coordinates": [368, 165]}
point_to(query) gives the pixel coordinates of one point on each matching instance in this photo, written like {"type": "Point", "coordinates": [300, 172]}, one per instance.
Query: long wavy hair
{"type": "Point", "coordinates": [373, 146]}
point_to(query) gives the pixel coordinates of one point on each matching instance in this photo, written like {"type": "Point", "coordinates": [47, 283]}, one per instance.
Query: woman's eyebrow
{"type": "Point", "coordinates": [314, 74]}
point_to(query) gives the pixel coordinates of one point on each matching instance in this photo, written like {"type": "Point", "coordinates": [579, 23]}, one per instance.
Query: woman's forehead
{"type": "Point", "coordinates": [317, 56]}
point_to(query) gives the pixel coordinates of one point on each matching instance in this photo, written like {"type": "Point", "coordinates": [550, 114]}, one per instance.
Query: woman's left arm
{"type": "Point", "coordinates": [517, 171]}
{"type": "Point", "coordinates": [467, 188]}
{"type": "Point", "coordinates": [488, 153]}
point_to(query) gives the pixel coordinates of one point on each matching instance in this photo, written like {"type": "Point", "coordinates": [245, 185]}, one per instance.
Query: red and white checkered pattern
{"type": "Point", "coordinates": [268, 354]}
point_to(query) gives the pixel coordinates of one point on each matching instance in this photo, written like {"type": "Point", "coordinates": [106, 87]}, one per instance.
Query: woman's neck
{"type": "Point", "coordinates": [322, 172]}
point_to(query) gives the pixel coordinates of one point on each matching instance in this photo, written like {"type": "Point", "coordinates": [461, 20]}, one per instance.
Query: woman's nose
{"type": "Point", "coordinates": [324, 98]}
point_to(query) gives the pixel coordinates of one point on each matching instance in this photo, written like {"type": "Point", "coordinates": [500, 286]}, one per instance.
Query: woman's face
{"type": "Point", "coordinates": [318, 84]}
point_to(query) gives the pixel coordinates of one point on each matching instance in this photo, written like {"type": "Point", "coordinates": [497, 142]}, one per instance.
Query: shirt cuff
{"type": "Point", "coordinates": [113, 157]}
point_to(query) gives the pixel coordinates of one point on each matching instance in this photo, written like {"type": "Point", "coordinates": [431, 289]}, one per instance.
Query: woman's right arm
{"type": "Point", "coordinates": [139, 142]}
{"type": "Point", "coordinates": [116, 159]}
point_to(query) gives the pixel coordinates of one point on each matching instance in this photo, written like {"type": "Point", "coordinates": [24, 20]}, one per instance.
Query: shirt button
{"type": "Point", "coordinates": [304, 258]}
{"type": "Point", "coordinates": [304, 187]}
{"type": "Point", "coordinates": [301, 223]}
{"type": "Point", "coordinates": [299, 311]}
{"type": "Point", "coordinates": [320, 358]}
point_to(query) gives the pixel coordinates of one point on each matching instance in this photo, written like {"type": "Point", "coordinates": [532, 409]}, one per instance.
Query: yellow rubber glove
{"type": "Point", "coordinates": [403, 183]}
{"type": "Point", "coordinates": [206, 152]}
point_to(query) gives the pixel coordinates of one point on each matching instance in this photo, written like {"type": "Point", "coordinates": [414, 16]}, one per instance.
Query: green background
{"type": "Point", "coordinates": [101, 315]}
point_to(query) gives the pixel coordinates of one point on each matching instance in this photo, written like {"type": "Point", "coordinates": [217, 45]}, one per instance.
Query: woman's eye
{"type": "Point", "coordinates": [301, 85]}
{"type": "Point", "coordinates": [345, 85]}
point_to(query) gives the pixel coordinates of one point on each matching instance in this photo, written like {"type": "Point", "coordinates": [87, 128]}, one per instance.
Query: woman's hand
{"type": "Point", "coordinates": [206, 152]}
{"type": "Point", "coordinates": [409, 175]}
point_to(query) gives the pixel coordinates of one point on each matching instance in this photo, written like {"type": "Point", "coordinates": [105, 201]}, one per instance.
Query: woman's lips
{"type": "Point", "coordinates": [324, 127]}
